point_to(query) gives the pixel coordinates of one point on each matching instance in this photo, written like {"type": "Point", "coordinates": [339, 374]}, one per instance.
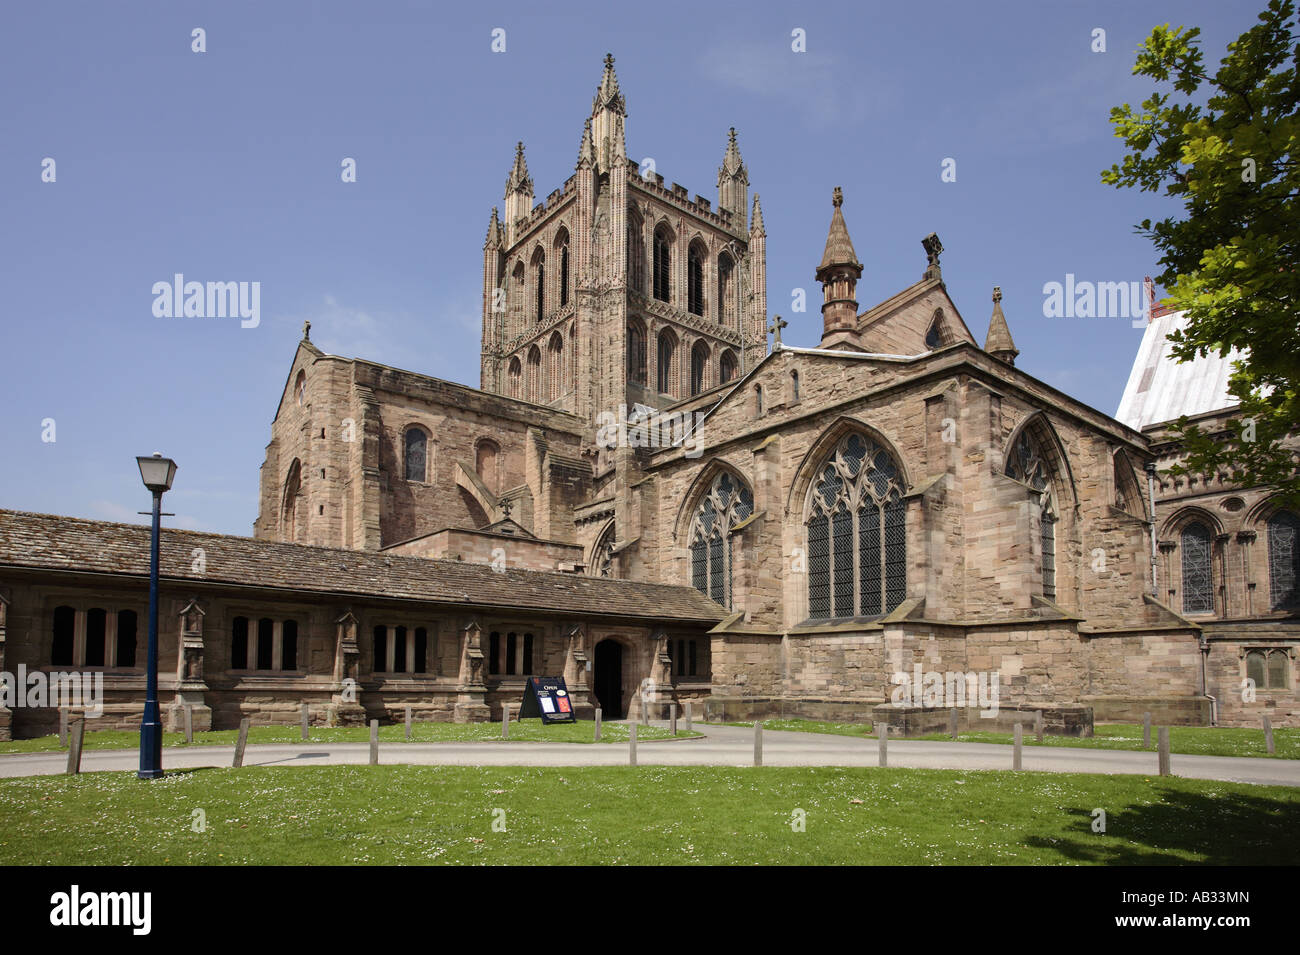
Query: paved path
{"type": "Point", "coordinates": [722, 746]}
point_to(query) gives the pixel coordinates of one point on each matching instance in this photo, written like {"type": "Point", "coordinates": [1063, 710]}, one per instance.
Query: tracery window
{"type": "Point", "coordinates": [636, 354]}
{"type": "Point", "coordinates": [1270, 669]}
{"type": "Point", "coordinates": [699, 361]}
{"type": "Point", "coordinates": [662, 264]}
{"type": "Point", "coordinates": [602, 555]}
{"type": "Point", "coordinates": [1027, 464]}
{"type": "Point", "coordinates": [857, 533]}
{"type": "Point", "coordinates": [727, 502]}
{"type": "Point", "coordinates": [1195, 546]}
{"type": "Point", "coordinates": [695, 280]}
{"type": "Point", "coordinates": [1283, 560]}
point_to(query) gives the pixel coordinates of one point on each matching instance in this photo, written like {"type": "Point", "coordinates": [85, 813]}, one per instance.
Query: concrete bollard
{"type": "Point", "coordinates": [1146, 730]}
{"type": "Point", "coordinates": [952, 722]}
{"type": "Point", "coordinates": [596, 738]}
{"type": "Point", "coordinates": [304, 718]}
{"type": "Point", "coordinates": [758, 742]}
{"type": "Point", "coordinates": [1268, 735]}
{"type": "Point", "coordinates": [408, 723]}
{"type": "Point", "coordinates": [631, 744]}
{"type": "Point", "coordinates": [374, 742]}
{"type": "Point", "coordinates": [505, 721]}
{"type": "Point", "coordinates": [882, 735]}
{"type": "Point", "coordinates": [1162, 758]}
{"type": "Point", "coordinates": [1038, 725]}
{"type": "Point", "coordinates": [241, 743]}
{"type": "Point", "coordinates": [1019, 741]}
{"type": "Point", "coordinates": [63, 727]}
{"type": "Point", "coordinates": [672, 718]}
{"type": "Point", "coordinates": [687, 721]}
{"type": "Point", "coordinates": [77, 732]}
{"type": "Point", "coordinates": [189, 722]}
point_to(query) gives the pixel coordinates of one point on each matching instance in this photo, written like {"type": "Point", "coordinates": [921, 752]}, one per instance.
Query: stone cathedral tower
{"type": "Point", "coordinates": [619, 289]}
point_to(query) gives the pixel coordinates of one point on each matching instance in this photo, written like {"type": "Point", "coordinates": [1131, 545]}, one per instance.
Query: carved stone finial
{"type": "Point", "coordinates": [505, 507]}
{"type": "Point", "coordinates": [837, 197]}
{"type": "Point", "coordinates": [933, 248]}
{"type": "Point", "coordinates": [306, 331]}
{"type": "Point", "coordinates": [609, 59]}
{"type": "Point", "coordinates": [997, 293]}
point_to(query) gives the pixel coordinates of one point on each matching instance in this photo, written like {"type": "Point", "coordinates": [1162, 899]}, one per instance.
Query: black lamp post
{"type": "Point", "coordinates": [157, 473]}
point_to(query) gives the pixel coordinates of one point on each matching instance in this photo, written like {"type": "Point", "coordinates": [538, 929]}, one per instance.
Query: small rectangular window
{"type": "Point", "coordinates": [96, 624]}
{"type": "Point", "coordinates": [289, 646]}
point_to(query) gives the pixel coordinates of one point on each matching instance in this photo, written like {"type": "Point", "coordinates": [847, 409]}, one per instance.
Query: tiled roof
{"type": "Point", "coordinates": [1162, 389]}
{"type": "Point", "coordinates": [46, 541]}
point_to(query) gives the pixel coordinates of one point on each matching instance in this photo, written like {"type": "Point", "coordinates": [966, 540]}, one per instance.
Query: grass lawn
{"type": "Point", "coordinates": [530, 730]}
{"type": "Point", "coordinates": [813, 726]}
{"type": "Point", "coordinates": [1187, 740]}
{"type": "Point", "coordinates": [350, 815]}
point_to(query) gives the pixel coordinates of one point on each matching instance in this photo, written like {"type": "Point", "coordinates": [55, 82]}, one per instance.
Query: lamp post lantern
{"type": "Point", "coordinates": [157, 473]}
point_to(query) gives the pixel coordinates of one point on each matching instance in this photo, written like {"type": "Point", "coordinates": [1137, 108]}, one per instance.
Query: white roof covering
{"type": "Point", "coordinates": [1161, 388]}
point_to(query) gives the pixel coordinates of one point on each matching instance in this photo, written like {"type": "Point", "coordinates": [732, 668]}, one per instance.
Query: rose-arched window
{"type": "Point", "coordinates": [726, 503]}
{"type": "Point", "coordinates": [857, 533]}
{"type": "Point", "coordinates": [1283, 559]}
{"type": "Point", "coordinates": [1027, 464]}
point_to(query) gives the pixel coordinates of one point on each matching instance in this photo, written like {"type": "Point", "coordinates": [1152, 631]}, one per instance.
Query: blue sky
{"type": "Point", "coordinates": [225, 166]}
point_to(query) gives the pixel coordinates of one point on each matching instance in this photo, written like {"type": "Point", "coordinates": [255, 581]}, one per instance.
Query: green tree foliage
{"type": "Point", "coordinates": [1224, 147]}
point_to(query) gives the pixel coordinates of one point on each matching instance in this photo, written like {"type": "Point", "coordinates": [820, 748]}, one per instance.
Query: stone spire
{"type": "Point", "coordinates": [839, 273]}
{"type": "Point", "coordinates": [998, 342]}
{"type": "Point", "coordinates": [519, 194]}
{"type": "Point", "coordinates": [608, 111]}
{"type": "Point", "coordinates": [756, 220]}
{"type": "Point", "coordinates": [519, 177]}
{"type": "Point", "coordinates": [607, 94]}
{"type": "Point", "coordinates": [839, 247]}
{"type": "Point", "coordinates": [586, 149]}
{"type": "Point", "coordinates": [733, 180]}
{"type": "Point", "coordinates": [494, 237]}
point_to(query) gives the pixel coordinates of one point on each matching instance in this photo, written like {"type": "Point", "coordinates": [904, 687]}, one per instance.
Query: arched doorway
{"type": "Point", "coordinates": [608, 682]}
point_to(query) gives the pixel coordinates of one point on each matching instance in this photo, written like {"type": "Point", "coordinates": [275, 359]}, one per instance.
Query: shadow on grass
{"type": "Point", "coordinates": [1231, 830]}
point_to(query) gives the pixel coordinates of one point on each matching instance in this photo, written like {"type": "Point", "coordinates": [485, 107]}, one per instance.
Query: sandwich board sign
{"type": "Point", "coordinates": [547, 697]}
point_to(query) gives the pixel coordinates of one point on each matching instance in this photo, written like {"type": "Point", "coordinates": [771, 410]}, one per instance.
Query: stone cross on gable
{"type": "Point", "coordinates": [933, 248]}
{"type": "Point", "coordinates": [777, 325]}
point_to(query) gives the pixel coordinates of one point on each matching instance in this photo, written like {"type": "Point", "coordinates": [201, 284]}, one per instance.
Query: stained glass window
{"type": "Point", "coordinates": [1283, 558]}
{"type": "Point", "coordinates": [857, 534]}
{"type": "Point", "coordinates": [726, 504]}
{"type": "Point", "coordinates": [1197, 596]}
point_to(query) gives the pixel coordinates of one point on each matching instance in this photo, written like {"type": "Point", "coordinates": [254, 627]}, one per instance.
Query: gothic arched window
{"type": "Point", "coordinates": [513, 376]}
{"type": "Point", "coordinates": [725, 504]}
{"type": "Point", "coordinates": [663, 258]}
{"type": "Point", "coordinates": [857, 533]}
{"type": "Point", "coordinates": [562, 256]}
{"type": "Point", "coordinates": [539, 285]}
{"type": "Point", "coordinates": [602, 555]}
{"type": "Point", "coordinates": [1283, 560]}
{"type": "Point", "coordinates": [1027, 464]}
{"type": "Point", "coordinates": [555, 367]}
{"type": "Point", "coordinates": [289, 511]}
{"type": "Point", "coordinates": [1195, 546]}
{"type": "Point", "coordinates": [695, 279]}
{"type": "Point", "coordinates": [726, 302]}
{"type": "Point", "coordinates": [667, 374]}
{"type": "Point", "coordinates": [635, 252]}
{"type": "Point", "coordinates": [416, 450]}
{"type": "Point", "coordinates": [636, 354]}
{"type": "Point", "coordinates": [727, 366]}
{"type": "Point", "coordinates": [533, 381]}
{"type": "Point", "coordinates": [699, 362]}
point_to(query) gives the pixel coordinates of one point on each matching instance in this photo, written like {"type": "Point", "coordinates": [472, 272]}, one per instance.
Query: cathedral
{"type": "Point", "coordinates": [649, 497]}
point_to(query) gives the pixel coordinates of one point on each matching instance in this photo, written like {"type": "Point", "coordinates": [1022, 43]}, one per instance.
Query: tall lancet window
{"type": "Point", "coordinates": [1283, 560]}
{"type": "Point", "coordinates": [695, 279]}
{"type": "Point", "coordinates": [1198, 595]}
{"type": "Point", "coordinates": [563, 257]}
{"type": "Point", "coordinates": [1027, 465]}
{"type": "Point", "coordinates": [726, 503]}
{"type": "Point", "coordinates": [662, 263]}
{"type": "Point", "coordinates": [857, 533]}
